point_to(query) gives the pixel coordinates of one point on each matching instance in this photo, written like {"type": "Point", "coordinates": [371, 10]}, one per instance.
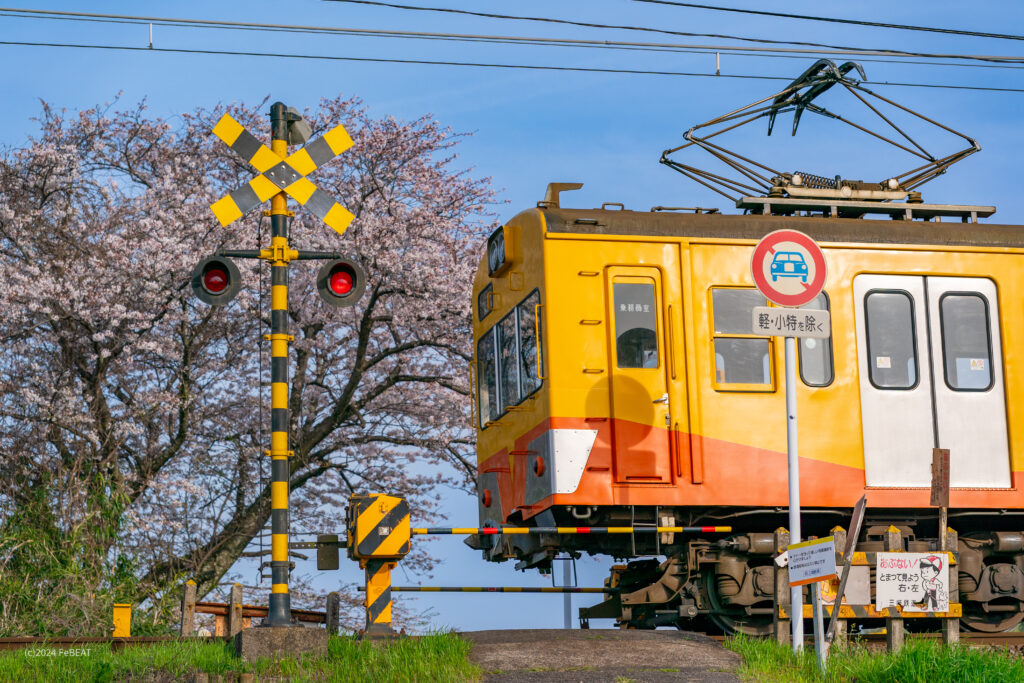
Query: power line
{"type": "Point", "coordinates": [569, 22]}
{"type": "Point", "coordinates": [539, 67]}
{"type": "Point", "coordinates": [837, 20]}
{"type": "Point", "coordinates": [735, 50]}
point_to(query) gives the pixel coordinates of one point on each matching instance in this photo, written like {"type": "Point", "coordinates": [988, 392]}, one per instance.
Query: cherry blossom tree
{"type": "Point", "coordinates": [133, 418]}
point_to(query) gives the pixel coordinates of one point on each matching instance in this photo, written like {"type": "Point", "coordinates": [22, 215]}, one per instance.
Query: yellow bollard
{"type": "Point", "coordinates": [122, 620]}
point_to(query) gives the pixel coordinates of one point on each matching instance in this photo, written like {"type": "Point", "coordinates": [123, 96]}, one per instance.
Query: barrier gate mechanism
{"type": "Point", "coordinates": [378, 530]}
{"type": "Point", "coordinates": [378, 534]}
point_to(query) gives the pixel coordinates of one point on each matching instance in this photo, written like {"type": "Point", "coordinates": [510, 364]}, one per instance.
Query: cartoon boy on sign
{"type": "Point", "coordinates": [935, 597]}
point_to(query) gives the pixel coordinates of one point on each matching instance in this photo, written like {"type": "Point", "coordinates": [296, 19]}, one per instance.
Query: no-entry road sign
{"type": "Point", "coordinates": [788, 268]}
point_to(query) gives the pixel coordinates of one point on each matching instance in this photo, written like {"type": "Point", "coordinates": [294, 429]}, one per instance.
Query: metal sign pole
{"type": "Point", "coordinates": [792, 451]}
{"type": "Point", "coordinates": [819, 636]}
{"type": "Point", "coordinates": [567, 600]}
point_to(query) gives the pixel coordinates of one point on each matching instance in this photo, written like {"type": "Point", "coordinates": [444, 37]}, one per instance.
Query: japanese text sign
{"type": "Point", "coordinates": [812, 561]}
{"type": "Point", "coordinates": [914, 582]}
{"type": "Point", "coordinates": [791, 322]}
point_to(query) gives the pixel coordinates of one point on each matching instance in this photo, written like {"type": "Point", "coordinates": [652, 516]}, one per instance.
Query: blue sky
{"type": "Point", "coordinates": [533, 127]}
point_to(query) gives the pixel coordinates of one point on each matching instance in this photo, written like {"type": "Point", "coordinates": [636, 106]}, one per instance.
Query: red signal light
{"type": "Point", "coordinates": [341, 280]}
{"type": "Point", "coordinates": [215, 279]}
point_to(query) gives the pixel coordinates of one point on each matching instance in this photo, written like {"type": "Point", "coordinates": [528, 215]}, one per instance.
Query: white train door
{"type": "Point", "coordinates": [931, 376]}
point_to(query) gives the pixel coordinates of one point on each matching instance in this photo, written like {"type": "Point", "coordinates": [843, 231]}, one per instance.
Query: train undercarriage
{"type": "Point", "coordinates": [726, 583]}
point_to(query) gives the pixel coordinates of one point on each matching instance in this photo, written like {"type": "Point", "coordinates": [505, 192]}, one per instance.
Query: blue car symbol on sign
{"type": "Point", "coordinates": [789, 264]}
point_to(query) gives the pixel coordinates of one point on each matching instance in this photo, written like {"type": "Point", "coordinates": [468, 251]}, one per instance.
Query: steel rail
{"type": "Point", "coordinates": [508, 530]}
{"type": "Point", "coordinates": [498, 589]}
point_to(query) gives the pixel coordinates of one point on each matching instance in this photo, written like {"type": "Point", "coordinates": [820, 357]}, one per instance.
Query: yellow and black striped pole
{"type": "Point", "coordinates": [378, 598]}
{"type": "Point", "coordinates": [279, 254]}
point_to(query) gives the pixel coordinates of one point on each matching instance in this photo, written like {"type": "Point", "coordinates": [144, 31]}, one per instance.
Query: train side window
{"type": "Point", "coordinates": [966, 342]}
{"type": "Point", "coordinates": [891, 340]}
{"type": "Point", "coordinates": [636, 325]}
{"type": "Point", "coordinates": [734, 309]}
{"type": "Point", "coordinates": [484, 302]}
{"type": "Point", "coordinates": [816, 354]}
{"type": "Point", "coordinates": [487, 379]}
{"type": "Point", "coordinates": [508, 361]}
{"type": "Point", "coordinates": [739, 360]}
{"type": "Point", "coordinates": [530, 364]}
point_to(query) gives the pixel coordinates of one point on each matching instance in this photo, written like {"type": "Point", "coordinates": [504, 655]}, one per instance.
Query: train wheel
{"type": "Point", "coordinates": [977, 619]}
{"type": "Point", "coordinates": [734, 619]}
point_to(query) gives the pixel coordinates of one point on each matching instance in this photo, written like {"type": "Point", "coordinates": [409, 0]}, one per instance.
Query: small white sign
{"type": "Point", "coordinates": [812, 561]}
{"type": "Point", "coordinates": [915, 582]}
{"type": "Point", "coordinates": [792, 322]}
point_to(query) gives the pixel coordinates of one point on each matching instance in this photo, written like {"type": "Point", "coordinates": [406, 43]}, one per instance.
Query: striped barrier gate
{"type": "Point", "coordinates": [378, 534]}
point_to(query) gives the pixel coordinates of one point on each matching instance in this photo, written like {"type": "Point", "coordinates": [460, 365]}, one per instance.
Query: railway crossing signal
{"type": "Point", "coordinates": [277, 174]}
{"type": "Point", "coordinates": [341, 282]}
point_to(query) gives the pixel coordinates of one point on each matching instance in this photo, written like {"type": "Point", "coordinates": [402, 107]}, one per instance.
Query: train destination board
{"type": "Point", "coordinates": [788, 268]}
{"type": "Point", "coordinates": [812, 561]}
{"type": "Point", "coordinates": [791, 322]}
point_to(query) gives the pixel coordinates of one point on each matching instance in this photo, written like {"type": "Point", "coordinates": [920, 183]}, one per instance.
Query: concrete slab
{"type": "Point", "coordinates": [552, 655]}
{"type": "Point", "coordinates": [273, 642]}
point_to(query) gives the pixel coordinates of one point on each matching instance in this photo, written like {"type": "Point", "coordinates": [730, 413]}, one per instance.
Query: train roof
{"type": "Point", "coordinates": [755, 225]}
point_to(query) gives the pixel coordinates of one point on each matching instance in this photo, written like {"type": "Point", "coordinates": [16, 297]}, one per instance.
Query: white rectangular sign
{"type": "Point", "coordinates": [916, 582]}
{"type": "Point", "coordinates": [812, 561]}
{"type": "Point", "coordinates": [791, 322]}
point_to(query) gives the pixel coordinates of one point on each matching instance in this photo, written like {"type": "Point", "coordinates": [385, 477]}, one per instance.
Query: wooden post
{"type": "Point", "coordinates": [235, 610]}
{"type": "Point", "coordinates": [188, 609]}
{"type": "Point", "coordinates": [781, 625]}
{"type": "Point", "coordinates": [894, 634]}
{"type": "Point", "coordinates": [839, 534]}
{"type": "Point", "coordinates": [951, 626]}
{"type": "Point", "coordinates": [333, 613]}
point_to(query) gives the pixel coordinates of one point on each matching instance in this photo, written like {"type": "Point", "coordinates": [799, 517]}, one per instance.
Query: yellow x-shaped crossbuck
{"type": "Point", "coordinates": [277, 174]}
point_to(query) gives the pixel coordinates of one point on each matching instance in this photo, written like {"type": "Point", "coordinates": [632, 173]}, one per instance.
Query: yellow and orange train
{"type": "Point", "coordinates": [618, 383]}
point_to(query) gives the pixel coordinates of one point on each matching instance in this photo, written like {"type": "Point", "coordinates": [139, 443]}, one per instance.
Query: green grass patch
{"type": "Point", "coordinates": [920, 661]}
{"type": "Point", "coordinates": [436, 657]}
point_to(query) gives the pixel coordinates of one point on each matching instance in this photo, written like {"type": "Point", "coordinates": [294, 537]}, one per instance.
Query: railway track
{"type": "Point", "coordinates": [1007, 639]}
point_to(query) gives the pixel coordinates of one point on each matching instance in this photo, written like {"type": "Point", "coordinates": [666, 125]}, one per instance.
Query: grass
{"type": "Point", "coordinates": [920, 661]}
{"type": "Point", "coordinates": [436, 657]}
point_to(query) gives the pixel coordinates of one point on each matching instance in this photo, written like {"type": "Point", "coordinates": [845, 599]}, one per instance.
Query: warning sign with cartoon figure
{"type": "Point", "coordinates": [916, 582]}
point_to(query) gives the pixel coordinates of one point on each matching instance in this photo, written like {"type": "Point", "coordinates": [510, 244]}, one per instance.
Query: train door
{"type": "Point", "coordinates": [931, 376]}
{"type": "Point", "coordinates": [638, 388]}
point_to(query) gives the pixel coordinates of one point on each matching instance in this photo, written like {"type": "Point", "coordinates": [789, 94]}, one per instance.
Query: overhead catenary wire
{"type": "Point", "coordinates": [1003, 62]}
{"type": "Point", "coordinates": [838, 20]}
{"type": "Point", "coordinates": [493, 65]}
{"type": "Point", "coordinates": [649, 29]}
